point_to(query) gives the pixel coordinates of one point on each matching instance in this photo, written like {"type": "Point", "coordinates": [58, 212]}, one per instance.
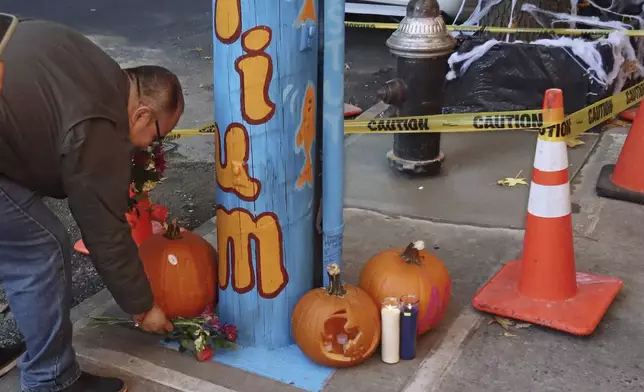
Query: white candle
{"type": "Point", "coordinates": [390, 342]}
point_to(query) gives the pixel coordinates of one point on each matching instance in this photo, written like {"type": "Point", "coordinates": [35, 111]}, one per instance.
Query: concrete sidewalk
{"type": "Point", "coordinates": [466, 353]}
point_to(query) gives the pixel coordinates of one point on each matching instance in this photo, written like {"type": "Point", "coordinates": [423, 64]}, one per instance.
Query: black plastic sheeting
{"type": "Point", "coordinates": [514, 76]}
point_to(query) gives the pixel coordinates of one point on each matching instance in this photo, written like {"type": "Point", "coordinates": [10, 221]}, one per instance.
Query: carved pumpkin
{"type": "Point", "coordinates": [180, 266]}
{"type": "Point", "coordinates": [396, 272]}
{"type": "Point", "coordinates": [338, 326]}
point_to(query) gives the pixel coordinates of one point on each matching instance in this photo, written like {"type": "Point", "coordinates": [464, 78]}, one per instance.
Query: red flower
{"type": "Point", "coordinates": [230, 332]}
{"type": "Point", "coordinates": [159, 213]}
{"type": "Point", "coordinates": [214, 322]}
{"type": "Point", "coordinates": [205, 354]}
{"type": "Point", "coordinates": [140, 158]}
{"type": "Point", "coordinates": [159, 159]}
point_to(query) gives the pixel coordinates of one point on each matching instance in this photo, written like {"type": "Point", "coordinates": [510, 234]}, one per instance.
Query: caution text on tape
{"type": "Point", "coordinates": [595, 114]}
{"type": "Point", "coordinates": [556, 132]}
{"type": "Point", "coordinates": [444, 123]}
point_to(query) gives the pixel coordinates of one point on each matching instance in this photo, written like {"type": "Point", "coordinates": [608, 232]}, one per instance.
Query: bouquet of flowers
{"type": "Point", "coordinates": [200, 336]}
{"type": "Point", "coordinates": [148, 166]}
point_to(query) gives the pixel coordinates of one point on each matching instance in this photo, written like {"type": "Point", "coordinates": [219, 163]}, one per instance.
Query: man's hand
{"type": "Point", "coordinates": [154, 321]}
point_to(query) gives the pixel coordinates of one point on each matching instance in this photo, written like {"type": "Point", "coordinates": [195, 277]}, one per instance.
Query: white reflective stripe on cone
{"type": "Point", "coordinates": [549, 201]}
{"type": "Point", "coordinates": [551, 156]}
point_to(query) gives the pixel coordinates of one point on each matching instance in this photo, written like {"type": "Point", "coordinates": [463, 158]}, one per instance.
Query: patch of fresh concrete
{"type": "Point", "coordinates": [465, 192]}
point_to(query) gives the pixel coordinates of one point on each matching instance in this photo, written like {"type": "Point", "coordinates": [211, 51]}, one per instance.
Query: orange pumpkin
{"type": "Point", "coordinates": [180, 266]}
{"type": "Point", "coordinates": [396, 272]}
{"type": "Point", "coordinates": [338, 326]}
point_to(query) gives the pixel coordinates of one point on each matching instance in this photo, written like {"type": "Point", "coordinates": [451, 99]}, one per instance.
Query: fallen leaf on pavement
{"type": "Point", "coordinates": [198, 49]}
{"type": "Point", "coordinates": [503, 322]}
{"type": "Point", "coordinates": [512, 181]}
{"type": "Point", "coordinates": [618, 122]}
{"type": "Point", "coordinates": [572, 143]}
{"type": "Point", "coordinates": [509, 335]}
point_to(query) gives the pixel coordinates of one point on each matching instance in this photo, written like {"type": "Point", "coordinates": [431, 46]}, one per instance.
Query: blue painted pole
{"type": "Point", "coordinates": [333, 134]}
{"type": "Point", "coordinates": [265, 60]}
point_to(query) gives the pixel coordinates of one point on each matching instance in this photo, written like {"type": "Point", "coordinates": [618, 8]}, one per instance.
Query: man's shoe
{"type": "Point", "coordinates": [90, 383]}
{"type": "Point", "coordinates": [9, 357]}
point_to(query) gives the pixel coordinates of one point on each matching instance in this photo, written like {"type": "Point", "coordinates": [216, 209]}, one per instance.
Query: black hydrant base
{"type": "Point", "coordinates": [420, 169]}
{"type": "Point", "coordinates": [606, 188]}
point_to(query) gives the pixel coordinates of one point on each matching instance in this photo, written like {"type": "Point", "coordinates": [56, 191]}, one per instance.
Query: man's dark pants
{"type": "Point", "coordinates": [35, 269]}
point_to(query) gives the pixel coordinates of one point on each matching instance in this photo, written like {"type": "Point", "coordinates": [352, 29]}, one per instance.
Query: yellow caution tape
{"type": "Point", "coordinates": [445, 123]}
{"type": "Point", "coordinates": [569, 128]}
{"type": "Point", "coordinates": [504, 30]}
{"type": "Point", "coordinates": [607, 108]}
{"type": "Point", "coordinates": [207, 129]}
{"type": "Point", "coordinates": [582, 120]}
{"type": "Point", "coordinates": [555, 132]}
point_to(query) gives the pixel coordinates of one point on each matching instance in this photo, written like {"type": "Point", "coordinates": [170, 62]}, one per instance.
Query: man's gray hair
{"type": "Point", "coordinates": [157, 87]}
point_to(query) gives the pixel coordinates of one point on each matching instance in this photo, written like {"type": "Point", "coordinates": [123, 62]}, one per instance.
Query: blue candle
{"type": "Point", "coordinates": [408, 326]}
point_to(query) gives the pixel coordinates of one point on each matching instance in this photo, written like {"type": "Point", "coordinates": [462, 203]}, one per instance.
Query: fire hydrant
{"type": "Point", "coordinates": [422, 46]}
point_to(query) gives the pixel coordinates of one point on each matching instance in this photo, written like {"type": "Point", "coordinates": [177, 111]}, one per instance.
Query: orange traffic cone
{"type": "Point", "coordinates": [624, 181]}
{"type": "Point", "coordinates": [543, 287]}
{"type": "Point", "coordinates": [630, 113]}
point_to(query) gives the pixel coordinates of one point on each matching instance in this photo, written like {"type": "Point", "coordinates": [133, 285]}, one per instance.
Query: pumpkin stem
{"type": "Point", "coordinates": [411, 254]}
{"type": "Point", "coordinates": [335, 284]}
{"type": "Point", "coordinates": [173, 231]}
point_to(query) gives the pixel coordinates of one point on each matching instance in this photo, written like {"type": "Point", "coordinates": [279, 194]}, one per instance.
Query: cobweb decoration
{"type": "Point", "coordinates": [534, 11]}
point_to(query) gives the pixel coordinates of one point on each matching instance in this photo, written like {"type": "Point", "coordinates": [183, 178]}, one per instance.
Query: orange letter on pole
{"type": "Point", "coordinates": [256, 72]}
{"type": "Point", "coordinates": [233, 176]}
{"type": "Point", "coordinates": [236, 230]}
{"type": "Point", "coordinates": [228, 20]}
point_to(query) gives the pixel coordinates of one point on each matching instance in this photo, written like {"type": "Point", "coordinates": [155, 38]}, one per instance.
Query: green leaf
{"type": "Point", "coordinates": [200, 343]}
{"type": "Point", "coordinates": [229, 345]}
{"type": "Point", "coordinates": [188, 345]}
{"type": "Point", "coordinates": [217, 343]}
